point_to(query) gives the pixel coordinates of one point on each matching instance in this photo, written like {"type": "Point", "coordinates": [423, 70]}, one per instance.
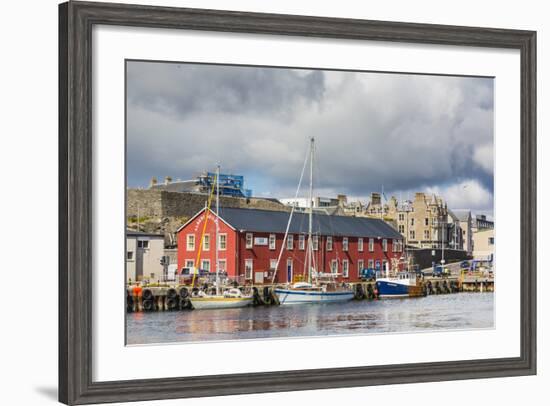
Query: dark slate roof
{"type": "Point", "coordinates": [266, 221]}
{"type": "Point", "coordinates": [133, 233]}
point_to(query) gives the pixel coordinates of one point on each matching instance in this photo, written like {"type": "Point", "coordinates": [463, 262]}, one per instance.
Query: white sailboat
{"type": "Point", "coordinates": [312, 291]}
{"type": "Point", "coordinates": [229, 298]}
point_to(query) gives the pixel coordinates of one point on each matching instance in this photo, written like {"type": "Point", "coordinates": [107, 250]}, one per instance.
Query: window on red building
{"type": "Point", "coordinates": [249, 240]}
{"type": "Point", "coordinates": [315, 242]}
{"type": "Point", "coordinates": [334, 266]}
{"type": "Point", "coordinates": [385, 245]}
{"type": "Point", "coordinates": [272, 264]}
{"type": "Point", "coordinates": [248, 268]}
{"type": "Point", "coordinates": [371, 244]}
{"type": "Point", "coordinates": [329, 243]}
{"type": "Point", "coordinates": [289, 242]}
{"type": "Point", "coordinates": [302, 242]}
{"type": "Point", "coordinates": [272, 240]}
{"type": "Point", "coordinates": [206, 242]}
{"type": "Point", "coordinates": [205, 264]}
{"type": "Point", "coordinates": [345, 268]}
{"type": "Point", "coordinates": [360, 265]}
{"type": "Point", "coordinates": [360, 245]}
{"type": "Point", "coordinates": [222, 242]}
{"type": "Point", "coordinates": [190, 242]}
{"type": "Point", "coordinates": [345, 244]}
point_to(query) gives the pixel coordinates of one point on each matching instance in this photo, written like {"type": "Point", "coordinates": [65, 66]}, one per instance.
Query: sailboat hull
{"type": "Point", "coordinates": [288, 296]}
{"type": "Point", "coordinates": [204, 303]}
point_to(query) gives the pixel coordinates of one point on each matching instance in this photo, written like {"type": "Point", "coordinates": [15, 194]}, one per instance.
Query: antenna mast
{"type": "Point", "coordinates": [217, 229]}
{"type": "Point", "coordinates": [310, 225]}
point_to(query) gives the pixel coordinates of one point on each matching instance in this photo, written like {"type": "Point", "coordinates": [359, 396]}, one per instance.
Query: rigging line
{"type": "Point", "coordinates": [207, 210]}
{"type": "Point", "coordinates": [290, 217]}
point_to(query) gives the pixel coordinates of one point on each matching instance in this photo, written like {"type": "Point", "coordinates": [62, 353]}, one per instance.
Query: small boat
{"type": "Point", "coordinates": [303, 292]}
{"type": "Point", "coordinates": [231, 298]}
{"type": "Point", "coordinates": [403, 284]}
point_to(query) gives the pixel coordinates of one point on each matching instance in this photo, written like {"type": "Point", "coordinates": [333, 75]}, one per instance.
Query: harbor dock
{"type": "Point", "coordinates": [166, 297]}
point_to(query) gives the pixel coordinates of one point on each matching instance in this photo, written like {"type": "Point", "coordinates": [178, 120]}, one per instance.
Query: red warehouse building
{"type": "Point", "coordinates": [250, 242]}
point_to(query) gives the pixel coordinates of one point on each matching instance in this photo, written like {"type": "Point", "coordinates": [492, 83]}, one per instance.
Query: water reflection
{"type": "Point", "coordinates": [457, 311]}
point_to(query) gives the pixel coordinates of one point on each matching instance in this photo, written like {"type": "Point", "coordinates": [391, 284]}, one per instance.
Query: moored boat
{"type": "Point", "coordinates": [309, 293]}
{"type": "Point", "coordinates": [403, 284]}
{"type": "Point", "coordinates": [231, 298]}
{"type": "Point", "coordinates": [315, 290]}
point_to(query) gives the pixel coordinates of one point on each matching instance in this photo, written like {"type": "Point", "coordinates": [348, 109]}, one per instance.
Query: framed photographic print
{"type": "Point", "coordinates": [264, 202]}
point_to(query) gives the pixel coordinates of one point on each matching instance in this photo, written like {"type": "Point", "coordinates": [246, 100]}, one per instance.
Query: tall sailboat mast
{"type": "Point", "coordinates": [310, 225]}
{"type": "Point", "coordinates": [217, 229]}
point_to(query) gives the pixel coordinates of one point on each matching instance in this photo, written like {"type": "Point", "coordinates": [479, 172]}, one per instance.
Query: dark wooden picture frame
{"type": "Point", "coordinates": [76, 20]}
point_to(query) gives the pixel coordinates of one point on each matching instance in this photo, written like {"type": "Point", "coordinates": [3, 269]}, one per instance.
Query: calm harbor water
{"type": "Point", "coordinates": [438, 312]}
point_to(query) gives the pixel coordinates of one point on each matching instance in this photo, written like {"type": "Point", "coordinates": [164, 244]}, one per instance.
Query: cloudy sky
{"type": "Point", "coordinates": [373, 131]}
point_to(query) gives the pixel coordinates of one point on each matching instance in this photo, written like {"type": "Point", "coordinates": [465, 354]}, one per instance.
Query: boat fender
{"type": "Point", "coordinates": [172, 303]}
{"type": "Point", "coordinates": [171, 293]}
{"type": "Point", "coordinates": [148, 305]}
{"type": "Point", "coordinates": [148, 294]}
{"type": "Point", "coordinates": [184, 292]}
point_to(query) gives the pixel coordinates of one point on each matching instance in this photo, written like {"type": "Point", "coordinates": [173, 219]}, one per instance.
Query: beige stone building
{"type": "Point", "coordinates": [425, 222]}
{"type": "Point", "coordinates": [484, 243]}
{"type": "Point", "coordinates": [466, 226]}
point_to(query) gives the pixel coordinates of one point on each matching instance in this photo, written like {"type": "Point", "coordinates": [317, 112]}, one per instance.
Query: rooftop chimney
{"type": "Point", "coordinates": [375, 198]}
{"type": "Point", "coordinates": [153, 182]}
{"type": "Point", "coordinates": [342, 200]}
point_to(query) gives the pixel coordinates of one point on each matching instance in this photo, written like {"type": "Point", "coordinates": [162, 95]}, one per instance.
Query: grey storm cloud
{"type": "Point", "coordinates": [400, 132]}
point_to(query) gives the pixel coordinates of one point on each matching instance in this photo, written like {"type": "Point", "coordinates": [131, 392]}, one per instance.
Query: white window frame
{"type": "Point", "coordinates": [206, 242]}
{"type": "Point", "coordinates": [370, 263]}
{"type": "Point", "coordinates": [301, 242]}
{"type": "Point", "coordinates": [247, 262]}
{"type": "Point", "coordinates": [371, 244]}
{"type": "Point", "coordinates": [426, 234]}
{"type": "Point", "coordinates": [273, 263]}
{"type": "Point", "coordinates": [412, 235]}
{"type": "Point", "coordinates": [345, 244]}
{"type": "Point", "coordinates": [385, 244]}
{"type": "Point", "coordinates": [334, 266]}
{"type": "Point", "coordinates": [272, 241]}
{"type": "Point", "coordinates": [360, 244]}
{"type": "Point", "coordinates": [249, 240]}
{"type": "Point", "coordinates": [329, 243]}
{"type": "Point", "coordinates": [190, 242]}
{"type": "Point", "coordinates": [290, 242]}
{"type": "Point", "coordinates": [205, 261]}
{"type": "Point", "coordinates": [290, 262]}
{"type": "Point", "coordinates": [220, 262]}
{"type": "Point", "coordinates": [315, 243]}
{"type": "Point", "coordinates": [345, 268]}
{"type": "Point", "coordinates": [130, 254]}
{"type": "Point", "coordinates": [189, 263]}
{"type": "Point", "coordinates": [144, 244]}
{"type": "Point", "coordinates": [224, 235]}
{"type": "Point", "coordinates": [360, 265]}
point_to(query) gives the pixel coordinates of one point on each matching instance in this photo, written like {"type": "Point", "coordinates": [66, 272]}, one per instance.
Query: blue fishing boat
{"type": "Point", "coordinates": [403, 284]}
